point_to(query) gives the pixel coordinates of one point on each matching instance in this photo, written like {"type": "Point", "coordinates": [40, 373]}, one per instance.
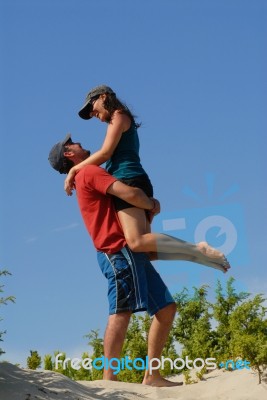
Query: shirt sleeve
{"type": "Point", "coordinates": [98, 178]}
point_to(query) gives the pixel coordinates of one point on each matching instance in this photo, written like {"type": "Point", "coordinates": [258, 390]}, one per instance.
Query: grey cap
{"type": "Point", "coordinates": [84, 112]}
{"type": "Point", "coordinates": [56, 155]}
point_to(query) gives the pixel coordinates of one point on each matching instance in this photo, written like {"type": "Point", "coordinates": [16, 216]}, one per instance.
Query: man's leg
{"type": "Point", "coordinates": [158, 334]}
{"type": "Point", "coordinates": [114, 338]}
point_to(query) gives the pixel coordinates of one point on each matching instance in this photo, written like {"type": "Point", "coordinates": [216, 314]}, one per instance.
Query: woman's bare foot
{"type": "Point", "coordinates": [160, 382]}
{"type": "Point", "coordinates": [224, 266]}
{"type": "Point", "coordinates": [218, 259]}
{"type": "Point", "coordinates": [209, 251]}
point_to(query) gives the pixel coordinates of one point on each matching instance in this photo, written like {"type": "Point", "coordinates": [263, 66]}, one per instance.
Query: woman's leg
{"type": "Point", "coordinates": [138, 237]}
{"type": "Point", "coordinates": [135, 226]}
{"type": "Point", "coordinates": [199, 259]}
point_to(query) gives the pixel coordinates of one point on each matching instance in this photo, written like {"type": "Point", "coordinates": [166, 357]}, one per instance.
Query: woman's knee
{"type": "Point", "coordinates": [135, 243]}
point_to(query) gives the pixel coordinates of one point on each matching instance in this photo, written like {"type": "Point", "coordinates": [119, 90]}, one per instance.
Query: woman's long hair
{"type": "Point", "coordinates": [112, 104]}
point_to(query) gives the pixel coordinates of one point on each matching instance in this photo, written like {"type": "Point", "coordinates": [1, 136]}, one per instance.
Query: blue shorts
{"type": "Point", "coordinates": [133, 283]}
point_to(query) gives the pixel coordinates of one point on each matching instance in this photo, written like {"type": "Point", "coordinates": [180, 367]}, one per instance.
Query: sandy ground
{"type": "Point", "coordinates": [25, 384]}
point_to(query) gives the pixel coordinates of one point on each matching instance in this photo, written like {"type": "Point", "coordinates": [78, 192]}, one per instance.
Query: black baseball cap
{"type": "Point", "coordinates": [84, 112]}
{"type": "Point", "coordinates": [56, 155]}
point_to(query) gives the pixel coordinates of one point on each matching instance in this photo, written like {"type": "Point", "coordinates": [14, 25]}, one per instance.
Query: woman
{"type": "Point", "coordinates": [120, 151]}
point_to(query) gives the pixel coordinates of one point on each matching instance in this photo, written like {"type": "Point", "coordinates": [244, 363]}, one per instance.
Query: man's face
{"type": "Point", "coordinates": [77, 150]}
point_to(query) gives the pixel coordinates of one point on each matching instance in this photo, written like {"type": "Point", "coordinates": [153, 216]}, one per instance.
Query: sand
{"type": "Point", "coordinates": [24, 384]}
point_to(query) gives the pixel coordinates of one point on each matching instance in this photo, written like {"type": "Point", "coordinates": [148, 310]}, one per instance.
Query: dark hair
{"type": "Point", "coordinates": [112, 104]}
{"type": "Point", "coordinates": [67, 163]}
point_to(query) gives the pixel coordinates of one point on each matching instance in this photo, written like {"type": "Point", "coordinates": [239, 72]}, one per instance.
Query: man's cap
{"type": "Point", "coordinates": [84, 113]}
{"type": "Point", "coordinates": [56, 155]}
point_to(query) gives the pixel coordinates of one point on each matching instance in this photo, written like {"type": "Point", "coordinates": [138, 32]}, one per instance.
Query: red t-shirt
{"type": "Point", "coordinates": [97, 208]}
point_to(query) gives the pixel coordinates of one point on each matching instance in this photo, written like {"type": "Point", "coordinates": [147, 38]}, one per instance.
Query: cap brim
{"type": "Point", "coordinates": [84, 112]}
{"type": "Point", "coordinates": [67, 138]}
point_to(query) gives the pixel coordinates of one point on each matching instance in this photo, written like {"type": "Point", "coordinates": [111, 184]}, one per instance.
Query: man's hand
{"type": "Point", "coordinates": [69, 184]}
{"type": "Point", "coordinates": [155, 210]}
{"type": "Point", "coordinates": [136, 197]}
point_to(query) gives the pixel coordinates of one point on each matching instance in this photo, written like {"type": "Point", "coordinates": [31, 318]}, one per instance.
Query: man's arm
{"type": "Point", "coordinates": [134, 196]}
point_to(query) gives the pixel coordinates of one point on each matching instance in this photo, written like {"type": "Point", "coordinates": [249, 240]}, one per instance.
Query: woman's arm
{"type": "Point", "coordinates": [119, 124]}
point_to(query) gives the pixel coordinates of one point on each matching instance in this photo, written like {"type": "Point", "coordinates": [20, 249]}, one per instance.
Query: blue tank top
{"type": "Point", "coordinates": [125, 161]}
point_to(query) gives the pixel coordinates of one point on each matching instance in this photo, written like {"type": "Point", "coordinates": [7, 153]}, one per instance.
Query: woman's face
{"type": "Point", "coordinates": [99, 110]}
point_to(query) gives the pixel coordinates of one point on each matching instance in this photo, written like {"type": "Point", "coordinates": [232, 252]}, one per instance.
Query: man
{"type": "Point", "coordinates": [134, 285]}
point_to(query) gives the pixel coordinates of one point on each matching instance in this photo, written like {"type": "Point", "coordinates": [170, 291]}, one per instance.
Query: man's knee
{"type": "Point", "coordinates": [171, 309]}
{"type": "Point", "coordinates": [119, 320]}
{"type": "Point", "coordinates": [167, 313]}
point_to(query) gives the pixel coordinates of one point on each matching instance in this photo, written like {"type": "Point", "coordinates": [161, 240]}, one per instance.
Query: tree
{"type": "Point", "coordinates": [248, 328]}
{"type": "Point", "coordinates": [4, 301]}
{"type": "Point", "coordinates": [63, 366]}
{"type": "Point", "coordinates": [34, 361]}
{"type": "Point", "coordinates": [98, 350]}
{"type": "Point", "coordinates": [48, 363]}
{"type": "Point", "coordinates": [222, 310]}
{"type": "Point", "coordinates": [84, 374]}
{"type": "Point", "coordinates": [192, 327]}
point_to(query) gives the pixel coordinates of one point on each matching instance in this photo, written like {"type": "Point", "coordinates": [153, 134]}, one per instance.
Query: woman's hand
{"type": "Point", "coordinates": [69, 184]}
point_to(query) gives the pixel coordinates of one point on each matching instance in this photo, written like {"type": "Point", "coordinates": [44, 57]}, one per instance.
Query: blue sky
{"type": "Point", "coordinates": [194, 72]}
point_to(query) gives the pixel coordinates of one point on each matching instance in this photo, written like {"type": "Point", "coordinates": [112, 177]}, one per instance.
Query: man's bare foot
{"type": "Point", "coordinates": [109, 376]}
{"type": "Point", "coordinates": [160, 382]}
